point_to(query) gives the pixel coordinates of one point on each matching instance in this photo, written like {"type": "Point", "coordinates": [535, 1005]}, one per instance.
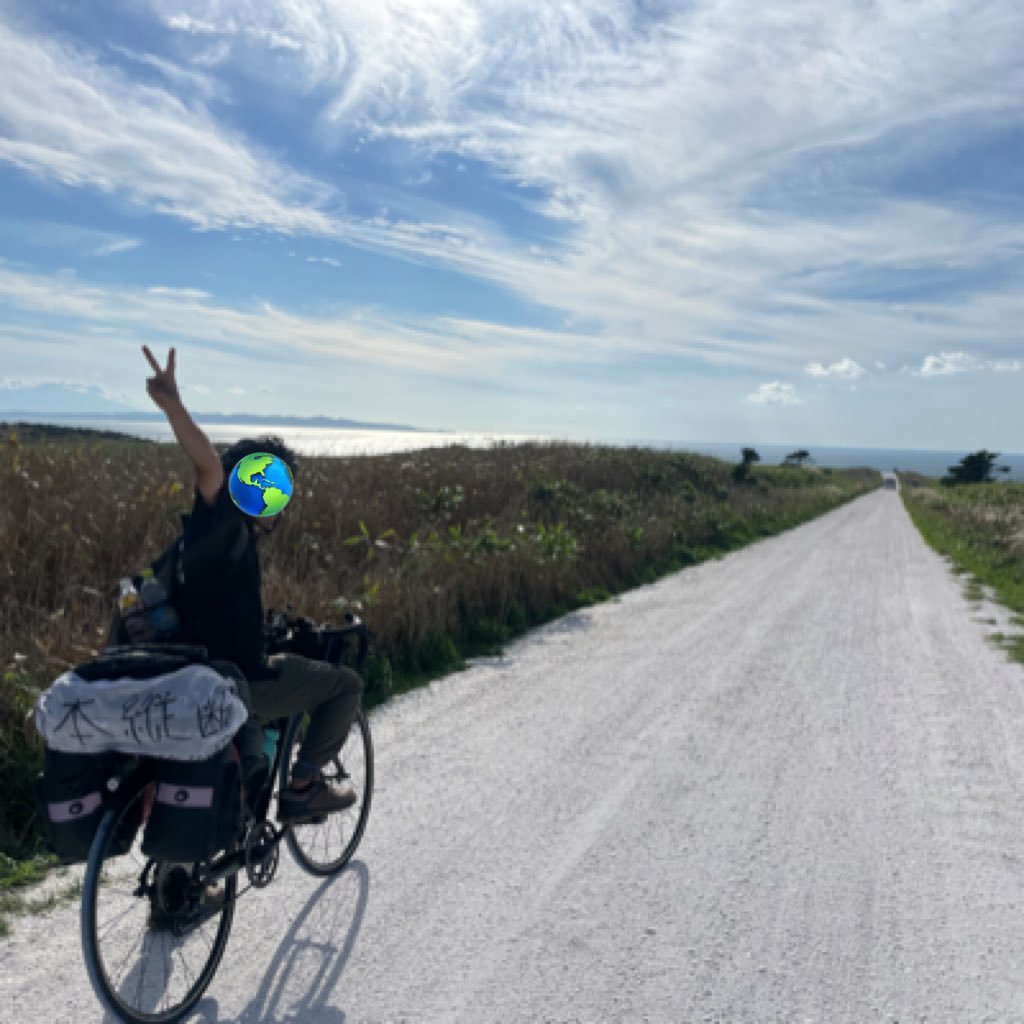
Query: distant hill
{"type": "Point", "coordinates": [213, 417]}
{"type": "Point", "coordinates": [27, 433]}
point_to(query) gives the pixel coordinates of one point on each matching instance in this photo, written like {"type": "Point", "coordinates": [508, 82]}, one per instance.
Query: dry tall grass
{"type": "Point", "coordinates": [445, 551]}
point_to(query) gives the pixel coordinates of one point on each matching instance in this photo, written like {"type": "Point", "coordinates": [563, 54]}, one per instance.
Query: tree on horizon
{"type": "Point", "coordinates": [976, 468]}
{"type": "Point", "coordinates": [797, 458]}
{"type": "Point", "coordinates": [742, 471]}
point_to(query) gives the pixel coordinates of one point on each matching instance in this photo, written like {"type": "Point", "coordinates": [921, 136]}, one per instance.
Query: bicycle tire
{"type": "Point", "coordinates": [306, 841]}
{"type": "Point", "coordinates": [98, 944]}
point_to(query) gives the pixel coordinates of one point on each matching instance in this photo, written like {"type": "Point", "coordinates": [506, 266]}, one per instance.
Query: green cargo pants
{"type": "Point", "coordinates": [330, 693]}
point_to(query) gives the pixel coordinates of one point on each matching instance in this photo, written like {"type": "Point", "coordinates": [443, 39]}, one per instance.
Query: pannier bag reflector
{"type": "Point", "coordinates": [184, 796]}
{"type": "Point", "coordinates": [197, 810]}
{"type": "Point", "coordinates": [72, 810]}
{"type": "Point", "coordinates": [71, 796]}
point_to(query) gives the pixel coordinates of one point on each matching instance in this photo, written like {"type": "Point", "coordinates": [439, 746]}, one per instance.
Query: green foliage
{"type": "Point", "coordinates": [591, 596]}
{"type": "Point", "coordinates": [975, 468]}
{"type": "Point", "coordinates": [556, 542]}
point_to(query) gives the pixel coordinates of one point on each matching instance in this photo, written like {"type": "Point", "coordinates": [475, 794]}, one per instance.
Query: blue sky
{"type": "Point", "coordinates": [720, 219]}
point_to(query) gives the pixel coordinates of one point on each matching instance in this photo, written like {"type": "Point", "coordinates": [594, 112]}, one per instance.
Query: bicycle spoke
{"type": "Point", "coordinates": [142, 973]}
{"type": "Point", "coordinates": [167, 975]}
{"type": "Point", "coordinates": [188, 974]}
{"type": "Point", "coordinates": [107, 925]}
{"type": "Point", "coordinates": [129, 953]}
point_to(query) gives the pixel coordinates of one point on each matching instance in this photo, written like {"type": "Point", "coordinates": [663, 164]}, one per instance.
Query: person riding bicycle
{"type": "Point", "coordinates": [226, 613]}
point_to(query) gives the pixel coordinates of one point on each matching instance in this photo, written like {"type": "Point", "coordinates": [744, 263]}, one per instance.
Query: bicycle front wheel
{"type": "Point", "coordinates": [324, 848]}
{"type": "Point", "coordinates": [152, 935]}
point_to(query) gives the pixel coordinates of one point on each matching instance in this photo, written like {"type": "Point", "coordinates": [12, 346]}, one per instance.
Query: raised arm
{"type": "Point", "coordinates": [163, 390]}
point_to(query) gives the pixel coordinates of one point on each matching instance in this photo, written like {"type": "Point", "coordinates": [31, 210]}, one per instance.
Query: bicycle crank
{"type": "Point", "coordinates": [262, 854]}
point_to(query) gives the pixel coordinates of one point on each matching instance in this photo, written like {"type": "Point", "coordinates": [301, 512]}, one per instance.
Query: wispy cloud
{"type": "Point", "coordinates": [68, 117]}
{"type": "Point", "coordinates": [73, 238]}
{"type": "Point", "coordinates": [786, 127]}
{"type": "Point", "coordinates": [716, 174]}
{"type": "Point", "coordinates": [178, 293]}
{"type": "Point", "coordinates": [120, 245]}
{"type": "Point", "coordinates": [946, 363]}
{"type": "Point", "coordinates": [444, 346]}
{"type": "Point", "coordinates": [330, 261]}
{"type": "Point", "coordinates": [186, 79]}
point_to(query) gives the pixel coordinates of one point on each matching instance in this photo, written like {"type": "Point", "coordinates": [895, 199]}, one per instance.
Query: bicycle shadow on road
{"type": "Point", "coordinates": [310, 959]}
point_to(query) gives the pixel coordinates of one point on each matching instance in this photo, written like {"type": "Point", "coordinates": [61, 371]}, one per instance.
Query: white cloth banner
{"type": "Point", "coordinates": [186, 715]}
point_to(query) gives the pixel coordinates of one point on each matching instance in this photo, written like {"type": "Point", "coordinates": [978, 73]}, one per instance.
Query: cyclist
{"type": "Point", "coordinates": [224, 612]}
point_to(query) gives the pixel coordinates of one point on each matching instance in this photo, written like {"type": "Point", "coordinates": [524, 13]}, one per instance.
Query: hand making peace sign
{"type": "Point", "coordinates": [162, 388]}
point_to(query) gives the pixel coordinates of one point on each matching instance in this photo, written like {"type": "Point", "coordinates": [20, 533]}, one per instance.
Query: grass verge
{"type": "Point", "coordinates": [980, 527]}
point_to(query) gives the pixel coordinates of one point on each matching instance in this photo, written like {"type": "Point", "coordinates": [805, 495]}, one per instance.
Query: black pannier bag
{"type": "Point", "coordinates": [72, 792]}
{"type": "Point", "coordinates": [197, 809]}
{"type": "Point", "coordinates": [71, 798]}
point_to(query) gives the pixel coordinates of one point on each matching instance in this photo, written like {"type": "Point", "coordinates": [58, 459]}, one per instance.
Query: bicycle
{"type": "Point", "coordinates": [176, 909]}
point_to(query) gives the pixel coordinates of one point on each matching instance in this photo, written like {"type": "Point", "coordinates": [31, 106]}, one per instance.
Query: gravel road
{"type": "Point", "coordinates": [782, 786]}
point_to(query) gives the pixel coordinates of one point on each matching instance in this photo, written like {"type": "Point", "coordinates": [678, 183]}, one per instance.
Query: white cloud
{"type": "Point", "coordinates": [195, 26]}
{"type": "Point", "coordinates": [844, 367]}
{"type": "Point", "coordinates": [946, 363]}
{"type": "Point", "coordinates": [774, 393]}
{"type": "Point", "coordinates": [324, 259]}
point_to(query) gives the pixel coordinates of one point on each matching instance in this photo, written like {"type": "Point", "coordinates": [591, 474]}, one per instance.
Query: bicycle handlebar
{"type": "Point", "coordinates": [299, 635]}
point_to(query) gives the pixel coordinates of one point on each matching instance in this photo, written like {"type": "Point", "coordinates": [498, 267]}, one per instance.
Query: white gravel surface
{"type": "Point", "coordinates": [783, 786]}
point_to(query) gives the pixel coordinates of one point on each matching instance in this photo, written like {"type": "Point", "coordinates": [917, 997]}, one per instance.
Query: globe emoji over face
{"type": "Point", "coordinates": [261, 484]}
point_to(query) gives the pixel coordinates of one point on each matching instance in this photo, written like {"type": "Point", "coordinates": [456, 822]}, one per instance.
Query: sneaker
{"type": "Point", "coordinates": [296, 806]}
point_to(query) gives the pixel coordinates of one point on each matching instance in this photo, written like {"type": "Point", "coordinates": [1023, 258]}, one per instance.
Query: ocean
{"type": "Point", "coordinates": [338, 441]}
{"type": "Point", "coordinates": [930, 463]}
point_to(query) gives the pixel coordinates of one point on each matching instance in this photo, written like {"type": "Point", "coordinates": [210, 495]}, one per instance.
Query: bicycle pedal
{"type": "Point", "coordinates": [313, 819]}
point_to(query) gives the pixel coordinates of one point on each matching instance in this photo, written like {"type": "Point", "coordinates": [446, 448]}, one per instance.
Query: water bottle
{"type": "Point", "coordinates": [152, 590]}
{"type": "Point", "coordinates": [270, 739]}
{"type": "Point", "coordinates": [160, 616]}
{"type": "Point", "coordinates": [129, 607]}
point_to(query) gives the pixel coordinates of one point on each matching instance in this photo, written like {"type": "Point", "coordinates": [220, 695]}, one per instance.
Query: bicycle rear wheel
{"type": "Point", "coordinates": [151, 937]}
{"type": "Point", "coordinates": [324, 848]}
